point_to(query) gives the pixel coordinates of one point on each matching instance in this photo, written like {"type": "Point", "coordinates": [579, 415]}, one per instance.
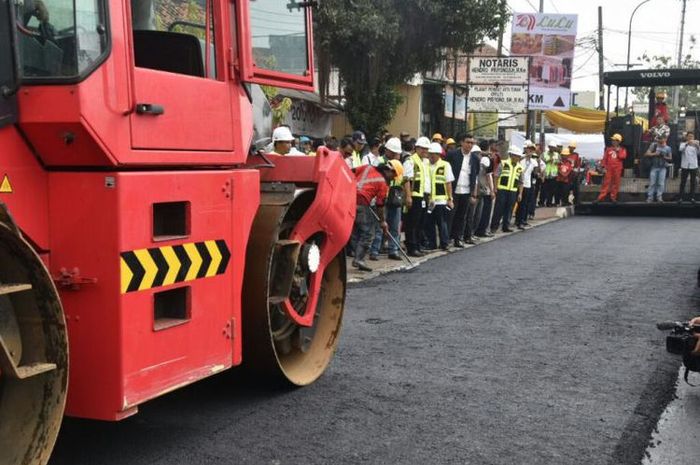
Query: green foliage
{"type": "Point", "coordinates": [196, 14]}
{"type": "Point", "coordinates": [378, 44]}
{"type": "Point", "coordinates": [689, 96]}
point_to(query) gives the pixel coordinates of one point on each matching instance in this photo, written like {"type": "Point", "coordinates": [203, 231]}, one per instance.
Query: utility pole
{"type": "Point", "coordinates": [502, 27]}
{"type": "Point", "coordinates": [601, 86]}
{"type": "Point", "coordinates": [676, 90]}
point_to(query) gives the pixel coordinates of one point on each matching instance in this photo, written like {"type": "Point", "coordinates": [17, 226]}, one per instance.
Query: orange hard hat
{"type": "Point", "coordinates": [398, 168]}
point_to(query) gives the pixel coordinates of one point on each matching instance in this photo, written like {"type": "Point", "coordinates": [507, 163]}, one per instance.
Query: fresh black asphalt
{"type": "Point", "coordinates": [538, 348]}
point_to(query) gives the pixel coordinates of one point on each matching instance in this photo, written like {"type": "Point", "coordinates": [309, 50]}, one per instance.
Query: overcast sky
{"type": "Point", "coordinates": [655, 30]}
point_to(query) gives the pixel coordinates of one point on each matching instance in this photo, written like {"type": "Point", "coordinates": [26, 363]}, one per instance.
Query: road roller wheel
{"type": "Point", "coordinates": [33, 355]}
{"type": "Point", "coordinates": [274, 346]}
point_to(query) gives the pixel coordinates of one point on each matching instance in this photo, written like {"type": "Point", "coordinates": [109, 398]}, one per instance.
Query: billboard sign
{"type": "Point", "coordinates": [550, 39]}
{"type": "Point", "coordinates": [489, 70]}
{"type": "Point", "coordinates": [498, 98]}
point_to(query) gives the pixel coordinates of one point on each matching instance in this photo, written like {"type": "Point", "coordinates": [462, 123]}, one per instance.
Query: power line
{"type": "Point", "coordinates": [533, 6]}
{"type": "Point", "coordinates": [554, 6]}
{"type": "Point", "coordinates": [591, 55]}
{"type": "Point", "coordinates": [275, 21]}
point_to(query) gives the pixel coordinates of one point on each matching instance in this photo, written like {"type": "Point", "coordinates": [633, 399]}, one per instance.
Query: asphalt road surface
{"type": "Point", "coordinates": [538, 348]}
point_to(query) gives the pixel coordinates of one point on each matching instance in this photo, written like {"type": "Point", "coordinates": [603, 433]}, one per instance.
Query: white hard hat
{"type": "Point", "coordinates": [282, 134]}
{"type": "Point", "coordinates": [529, 144]}
{"type": "Point", "coordinates": [393, 145]}
{"type": "Point", "coordinates": [515, 150]}
{"type": "Point", "coordinates": [423, 142]}
{"type": "Point", "coordinates": [435, 148]}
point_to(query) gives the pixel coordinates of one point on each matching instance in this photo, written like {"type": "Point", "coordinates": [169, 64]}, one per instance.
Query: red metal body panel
{"type": "Point", "coordinates": [118, 360]}
{"type": "Point", "coordinates": [331, 213]}
{"type": "Point", "coordinates": [179, 95]}
{"type": "Point", "coordinates": [29, 200]}
{"type": "Point", "coordinates": [97, 227]}
{"type": "Point", "coordinates": [206, 122]}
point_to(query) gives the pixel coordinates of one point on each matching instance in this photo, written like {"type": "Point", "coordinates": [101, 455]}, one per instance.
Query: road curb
{"type": "Point", "coordinates": [560, 214]}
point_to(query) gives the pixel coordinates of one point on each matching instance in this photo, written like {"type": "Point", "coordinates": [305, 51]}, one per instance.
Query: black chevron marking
{"type": "Point", "coordinates": [225, 256]}
{"type": "Point", "coordinates": [184, 261]}
{"type": "Point", "coordinates": [162, 265]}
{"type": "Point", "coordinates": [136, 268]}
{"type": "Point", "coordinates": [206, 259]}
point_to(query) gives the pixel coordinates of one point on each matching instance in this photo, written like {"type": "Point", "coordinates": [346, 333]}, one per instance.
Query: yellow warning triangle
{"type": "Point", "coordinates": [6, 187]}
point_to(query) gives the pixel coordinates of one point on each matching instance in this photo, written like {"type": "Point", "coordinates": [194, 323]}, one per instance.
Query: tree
{"type": "Point", "coordinates": [689, 96]}
{"type": "Point", "coordinates": [379, 44]}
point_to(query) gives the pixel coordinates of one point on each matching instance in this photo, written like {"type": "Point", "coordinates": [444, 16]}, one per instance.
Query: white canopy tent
{"type": "Point", "coordinates": [589, 146]}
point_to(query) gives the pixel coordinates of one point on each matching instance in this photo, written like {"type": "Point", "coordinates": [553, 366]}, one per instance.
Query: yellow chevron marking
{"type": "Point", "coordinates": [173, 265]}
{"type": "Point", "coordinates": [215, 258]}
{"type": "Point", "coordinates": [126, 275]}
{"type": "Point", "coordinates": [196, 261]}
{"type": "Point", "coordinates": [149, 265]}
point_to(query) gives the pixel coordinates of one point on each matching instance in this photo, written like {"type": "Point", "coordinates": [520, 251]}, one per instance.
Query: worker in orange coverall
{"type": "Point", "coordinates": [612, 162]}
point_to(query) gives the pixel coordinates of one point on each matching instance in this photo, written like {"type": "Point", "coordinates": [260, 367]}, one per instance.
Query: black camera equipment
{"type": "Point", "coordinates": [682, 341]}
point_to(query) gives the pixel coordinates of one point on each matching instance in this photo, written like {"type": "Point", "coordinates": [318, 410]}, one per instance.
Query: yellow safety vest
{"type": "Point", "coordinates": [438, 179]}
{"type": "Point", "coordinates": [311, 154]}
{"type": "Point", "coordinates": [418, 176]}
{"type": "Point", "coordinates": [356, 159]}
{"type": "Point", "coordinates": [510, 175]}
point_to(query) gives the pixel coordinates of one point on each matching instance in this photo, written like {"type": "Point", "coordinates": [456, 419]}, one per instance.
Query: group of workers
{"type": "Point", "coordinates": [442, 192]}
{"type": "Point", "coordinates": [442, 196]}
{"type": "Point", "coordinates": [659, 157]}
{"type": "Point", "coordinates": [447, 193]}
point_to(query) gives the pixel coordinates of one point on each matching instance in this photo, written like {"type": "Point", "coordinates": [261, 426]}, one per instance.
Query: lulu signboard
{"type": "Point", "coordinates": [550, 40]}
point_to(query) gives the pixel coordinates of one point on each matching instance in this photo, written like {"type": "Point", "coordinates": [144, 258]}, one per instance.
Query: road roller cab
{"type": "Point", "coordinates": [134, 228]}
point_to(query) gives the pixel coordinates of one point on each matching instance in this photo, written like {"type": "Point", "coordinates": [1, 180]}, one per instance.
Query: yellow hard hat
{"type": "Point", "coordinates": [437, 136]}
{"type": "Point", "coordinates": [572, 144]}
{"type": "Point", "coordinates": [398, 167]}
{"type": "Point", "coordinates": [661, 95]}
{"type": "Point", "coordinates": [616, 137]}
{"type": "Point", "coordinates": [450, 141]}
{"type": "Point", "coordinates": [565, 151]}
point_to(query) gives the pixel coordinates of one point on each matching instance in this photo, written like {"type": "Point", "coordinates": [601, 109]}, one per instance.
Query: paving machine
{"type": "Point", "coordinates": [634, 182]}
{"type": "Point", "coordinates": [141, 247]}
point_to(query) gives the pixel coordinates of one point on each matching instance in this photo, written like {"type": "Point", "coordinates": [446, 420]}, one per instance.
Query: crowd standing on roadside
{"type": "Point", "coordinates": [446, 193]}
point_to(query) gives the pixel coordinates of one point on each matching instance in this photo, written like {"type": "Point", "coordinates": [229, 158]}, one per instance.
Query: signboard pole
{"type": "Point", "coordinates": [454, 94]}
{"type": "Point", "coordinates": [466, 96]}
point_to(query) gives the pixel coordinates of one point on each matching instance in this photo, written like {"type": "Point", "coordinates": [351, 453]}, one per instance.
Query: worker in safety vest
{"type": "Point", "coordinates": [359, 145]}
{"type": "Point", "coordinates": [530, 166]}
{"type": "Point", "coordinates": [416, 190]}
{"type": "Point", "coordinates": [372, 187]}
{"type": "Point", "coordinates": [509, 189]}
{"type": "Point", "coordinates": [348, 152]}
{"type": "Point", "coordinates": [613, 165]}
{"type": "Point", "coordinates": [396, 199]}
{"type": "Point", "coordinates": [441, 201]}
{"type": "Point", "coordinates": [282, 140]}
{"type": "Point", "coordinates": [565, 178]}
{"type": "Point", "coordinates": [577, 163]}
{"type": "Point", "coordinates": [551, 159]}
